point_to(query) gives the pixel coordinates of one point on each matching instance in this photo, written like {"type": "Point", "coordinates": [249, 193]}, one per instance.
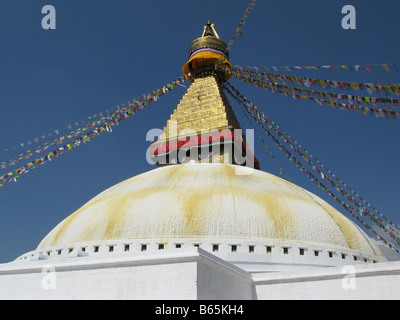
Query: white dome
{"type": "Point", "coordinates": [210, 201]}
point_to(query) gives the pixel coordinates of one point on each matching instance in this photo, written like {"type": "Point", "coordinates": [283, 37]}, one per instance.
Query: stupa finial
{"type": "Point", "coordinates": [209, 30]}
{"type": "Point", "coordinates": [206, 54]}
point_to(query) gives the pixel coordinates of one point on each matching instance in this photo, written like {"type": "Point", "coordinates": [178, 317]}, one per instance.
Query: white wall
{"type": "Point", "coordinates": [176, 274]}
{"type": "Point", "coordinates": [189, 274]}
{"type": "Point", "coordinates": [218, 280]}
{"type": "Point", "coordinates": [151, 279]}
{"type": "Point", "coordinates": [372, 281]}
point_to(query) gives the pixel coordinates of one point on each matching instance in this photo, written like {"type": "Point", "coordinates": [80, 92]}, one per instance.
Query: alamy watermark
{"type": "Point", "coordinates": [349, 20]}
{"type": "Point", "coordinates": [49, 278]}
{"type": "Point", "coordinates": [349, 280]}
{"type": "Point", "coordinates": [49, 20]}
{"type": "Point", "coordinates": [204, 147]}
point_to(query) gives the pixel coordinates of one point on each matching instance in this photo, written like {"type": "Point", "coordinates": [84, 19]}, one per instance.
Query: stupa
{"type": "Point", "coordinates": [207, 223]}
{"type": "Point", "coordinates": [203, 127]}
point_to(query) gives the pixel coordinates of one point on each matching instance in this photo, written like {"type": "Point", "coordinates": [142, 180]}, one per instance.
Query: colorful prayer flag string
{"type": "Point", "coordinates": [52, 133]}
{"type": "Point", "coordinates": [115, 119]}
{"type": "Point", "coordinates": [387, 67]}
{"type": "Point", "coordinates": [276, 88]}
{"type": "Point", "coordinates": [246, 13]}
{"type": "Point", "coordinates": [258, 115]}
{"type": "Point", "coordinates": [61, 140]}
{"type": "Point", "coordinates": [249, 8]}
{"type": "Point", "coordinates": [294, 144]}
{"type": "Point", "coordinates": [287, 138]}
{"type": "Point", "coordinates": [327, 95]}
{"type": "Point", "coordinates": [266, 148]}
{"type": "Point", "coordinates": [307, 82]}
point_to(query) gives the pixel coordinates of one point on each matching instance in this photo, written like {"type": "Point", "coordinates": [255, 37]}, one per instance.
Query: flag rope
{"type": "Point", "coordinates": [61, 140]}
{"type": "Point", "coordinates": [261, 119]}
{"type": "Point", "coordinates": [246, 13]}
{"type": "Point", "coordinates": [277, 88]}
{"type": "Point", "coordinates": [388, 67]}
{"type": "Point", "coordinates": [266, 148]}
{"type": "Point", "coordinates": [292, 142]}
{"type": "Point", "coordinates": [219, 65]}
{"type": "Point", "coordinates": [115, 118]}
{"type": "Point", "coordinates": [307, 82]}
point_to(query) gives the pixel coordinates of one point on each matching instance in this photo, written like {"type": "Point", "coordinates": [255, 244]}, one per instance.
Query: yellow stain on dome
{"type": "Point", "coordinates": [208, 200]}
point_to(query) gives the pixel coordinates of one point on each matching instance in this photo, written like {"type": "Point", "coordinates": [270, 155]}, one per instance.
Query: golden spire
{"type": "Point", "coordinates": [203, 126]}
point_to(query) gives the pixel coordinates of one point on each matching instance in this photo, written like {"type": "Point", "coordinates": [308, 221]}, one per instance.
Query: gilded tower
{"type": "Point", "coordinates": [203, 127]}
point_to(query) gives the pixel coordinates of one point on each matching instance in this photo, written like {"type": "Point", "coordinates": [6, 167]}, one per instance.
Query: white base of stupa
{"type": "Point", "coordinates": [189, 274]}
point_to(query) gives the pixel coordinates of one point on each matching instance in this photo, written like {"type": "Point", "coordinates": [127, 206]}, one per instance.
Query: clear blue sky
{"type": "Point", "coordinates": [104, 53]}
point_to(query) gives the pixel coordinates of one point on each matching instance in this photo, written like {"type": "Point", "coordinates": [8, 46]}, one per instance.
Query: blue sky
{"type": "Point", "coordinates": [104, 53]}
